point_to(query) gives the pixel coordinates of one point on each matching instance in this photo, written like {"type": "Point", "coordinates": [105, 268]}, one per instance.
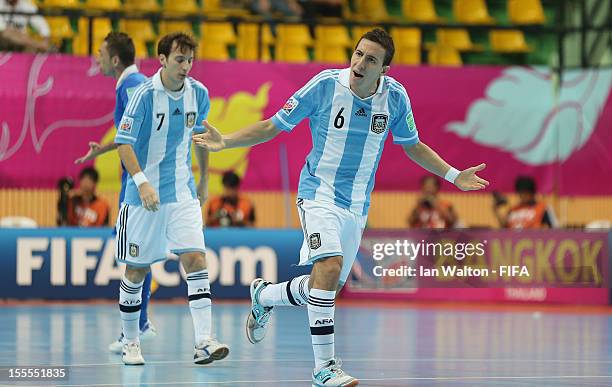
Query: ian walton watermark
{"type": "Point", "coordinates": [406, 250]}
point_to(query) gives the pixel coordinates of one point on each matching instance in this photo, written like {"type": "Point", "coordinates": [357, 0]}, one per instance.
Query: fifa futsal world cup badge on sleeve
{"type": "Point", "coordinates": [410, 122]}
{"type": "Point", "coordinates": [190, 119]}
{"type": "Point", "coordinates": [290, 105]}
{"type": "Point", "coordinates": [379, 123]}
{"type": "Point", "coordinates": [126, 124]}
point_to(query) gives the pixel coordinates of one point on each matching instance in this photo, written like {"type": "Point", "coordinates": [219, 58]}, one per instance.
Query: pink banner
{"type": "Point", "coordinates": [528, 266]}
{"type": "Point", "coordinates": [510, 118]}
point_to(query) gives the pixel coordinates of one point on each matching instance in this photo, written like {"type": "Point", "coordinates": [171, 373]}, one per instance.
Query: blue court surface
{"type": "Point", "coordinates": [382, 346]}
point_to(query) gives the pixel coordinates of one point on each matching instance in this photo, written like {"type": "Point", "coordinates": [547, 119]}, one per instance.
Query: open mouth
{"type": "Point", "coordinates": [357, 75]}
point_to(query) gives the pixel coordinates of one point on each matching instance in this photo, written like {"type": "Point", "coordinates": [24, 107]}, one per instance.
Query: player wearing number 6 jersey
{"type": "Point", "coordinates": [351, 112]}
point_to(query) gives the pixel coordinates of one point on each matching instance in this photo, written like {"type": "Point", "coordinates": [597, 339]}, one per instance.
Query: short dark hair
{"type": "Point", "coordinates": [182, 40]}
{"type": "Point", "coordinates": [525, 184]}
{"type": "Point", "coordinates": [120, 44]}
{"type": "Point", "coordinates": [380, 36]}
{"type": "Point", "coordinates": [89, 172]}
{"type": "Point", "coordinates": [230, 180]}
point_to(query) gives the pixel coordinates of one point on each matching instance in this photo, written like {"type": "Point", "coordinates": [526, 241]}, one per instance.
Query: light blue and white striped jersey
{"type": "Point", "coordinates": [348, 135]}
{"type": "Point", "coordinates": [159, 126]}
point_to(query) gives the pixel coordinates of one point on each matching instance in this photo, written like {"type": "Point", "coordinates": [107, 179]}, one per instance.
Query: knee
{"type": "Point", "coordinates": [331, 267]}
{"type": "Point", "coordinates": [136, 274]}
{"type": "Point", "coordinates": [193, 261]}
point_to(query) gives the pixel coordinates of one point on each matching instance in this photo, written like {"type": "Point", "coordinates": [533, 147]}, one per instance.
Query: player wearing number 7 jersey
{"type": "Point", "coordinates": [351, 113]}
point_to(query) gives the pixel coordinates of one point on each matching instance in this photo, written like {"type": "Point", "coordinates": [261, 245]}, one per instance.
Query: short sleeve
{"type": "Point", "coordinates": [133, 116]}
{"type": "Point", "coordinates": [403, 127]}
{"type": "Point", "coordinates": [203, 107]}
{"type": "Point", "coordinates": [301, 104]}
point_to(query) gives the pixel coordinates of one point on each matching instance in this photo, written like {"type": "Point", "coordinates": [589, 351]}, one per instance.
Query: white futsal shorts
{"type": "Point", "coordinates": [145, 237]}
{"type": "Point", "coordinates": [329, 231]}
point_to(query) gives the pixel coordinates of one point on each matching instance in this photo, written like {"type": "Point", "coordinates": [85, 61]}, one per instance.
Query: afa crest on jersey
{"type": "Point", "coordinates": [379, 123]}
{"type": "Point", "coordinates": [290, 105]}
{"type": "Point", "coordinates": [190, 119]}
{"type": "Point", "coordinates": [315, 240]}
{"type": "Point", "coordinates": [126, 124]}
{"type": "Point", "coordinates": [134, 249]}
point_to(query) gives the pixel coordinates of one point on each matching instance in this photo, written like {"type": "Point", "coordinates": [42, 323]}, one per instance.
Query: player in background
{"type": "Point", "coordinates": [161, 211]}
{"type": "Point", "coordinates": [116, 59]}
{"type": "Point", "coordinates": [351, 112]}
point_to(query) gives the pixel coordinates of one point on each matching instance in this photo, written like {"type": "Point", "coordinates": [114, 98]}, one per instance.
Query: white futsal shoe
{"type": "Point", "coordinates": [259, 316]}
{"type": "Point", "coordinates": [331, 375]}
{"type": "Point", "coordinates": [208, 351]}
{"type": "Point", "coordinates": [132, 355]}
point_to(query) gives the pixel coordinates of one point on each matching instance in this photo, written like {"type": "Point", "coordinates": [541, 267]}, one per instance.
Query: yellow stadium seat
{"type": "Point", "coordinates": [407, 45]}
{"type": "Point", "coordinates": [371, 10]}
{"type": "Point", "coordinates": [140, 47]}
{"type": "Point", "coordinates": [166, 27]}
{"type": "Point", "coordinates": [248, 42]}
{"type": "Point", "coordinates": [181, 7]}
{"type": "Point", "coordinates": [526, 12]}
{"type": "Point", "coordinates": [138, 28]}
{"type": "Point", "coordinates": [61, 4]}
{"type": "Point", "coordinates": [296, 34]}
{"type": "Point", "coordinates": [60, 27]}
{"type": "Point", "coordinates": [330, 53]}
{"type": "Point", "coordinates": [458, 39]}
{"type": "Point", "coordinates": [216, 8]}
{"type": "Point", "coordinates": [212, 50]}
{"type": "Point", "coordinates": [508, 41]}
{"type": "Point", "coordinates": [444, 56]}
{"type": "Point", "coordinates": [106, 5]}
{"type": "Point", "coordinates": [219, 32]}
{"type": "Point", "coordinates": [101, 28]}
{"type": "Point", "coordinates": [336, 35]}
{"type": "Point", "coordinates": [292, 53]}
{"type": "Point", "coordinates": [141, 5]}
{"type": "Point", "coordinates": [406, 37]}
{"type": "Point", "coordinates": [472, 12]}
{"type": "Point", "coordinates": [420, 11]}
{"type": "Point", "coordinates": [407, 56]}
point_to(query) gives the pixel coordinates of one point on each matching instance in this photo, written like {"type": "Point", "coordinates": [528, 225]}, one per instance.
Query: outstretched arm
{"type": "Point", "coordinates": [465, 180]}
{"type": "Point", "coordinates": [96, 150]}
{"type": "Point", "coordinates": [257, 133]}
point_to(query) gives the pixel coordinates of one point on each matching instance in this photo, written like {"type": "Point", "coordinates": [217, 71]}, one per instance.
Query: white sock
{"type": "Point", "coordinates": [321, 307]}
{"type": "Point", "coordinates": [130, 299]}
{"type": "Point", "coordinates": [291, 293]}
{"type": "Point", "coordinates": [200, 304]}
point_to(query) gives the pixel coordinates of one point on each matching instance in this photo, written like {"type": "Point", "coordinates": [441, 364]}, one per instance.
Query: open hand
{"type": "Point", "coordinates": [94, 148]}
{"type": "Point", "coordinates": [210, 140]}
{"type": "Point", "coordinates": [467, 180]}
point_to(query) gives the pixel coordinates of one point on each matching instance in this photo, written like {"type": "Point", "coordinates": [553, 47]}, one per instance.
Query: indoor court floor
{"type": "Point", "coordinates": [401, 345]}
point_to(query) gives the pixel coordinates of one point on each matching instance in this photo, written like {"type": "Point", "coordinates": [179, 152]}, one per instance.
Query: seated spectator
{"type": "Point", "coordinates": [231, 209]}
{"type": "Point", "coordinates": [529, 212]}
{"type": "Point", "coordinates": [14, 34]}
{"type": "Point", "coordinates": [431, 211]}
{"type": "Point", "coordinates": [314, 9]}
{"type": "Point", "coordinates": [85, 209]}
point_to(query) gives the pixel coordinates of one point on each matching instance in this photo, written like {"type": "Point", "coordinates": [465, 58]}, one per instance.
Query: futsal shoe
{"type": "Point", "coordinates": [259, 315]}
{"type": "Point", "coordinates": [208, 351]}
{"type": "Point", "coordinates": [147, 332]}
{"type": "Point", "coordinates": [132, 355]}
{"type": "Point", "coordinates": [332, 375]}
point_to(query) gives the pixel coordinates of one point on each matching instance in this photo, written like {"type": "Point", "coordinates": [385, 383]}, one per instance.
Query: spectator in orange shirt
{"type": "Point", "coordinates": [529, 212]}
{"type": "Point", "coordinates": [85, 209]}
{"type": "Point", "coordinates": [231, 209]}
{"type": "Point", "coordinates": [431, 211]}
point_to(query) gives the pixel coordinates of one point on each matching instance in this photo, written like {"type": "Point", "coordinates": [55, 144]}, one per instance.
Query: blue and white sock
{"type": "Point", "coordinates": [321, 308]}
{"type": "Point", "coordinates": [200, 304]}
{"type": "Point", "coordinates": [289, 293]}
{"type": "Point", "coordinates": [130, 300]}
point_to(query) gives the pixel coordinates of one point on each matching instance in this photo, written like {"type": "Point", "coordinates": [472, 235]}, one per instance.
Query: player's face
{"type": "Point", "coordinates": [104, 60]}
{"type": "Point", "coordinates": [87, 185]}
{"type": "Point", "coordinates": [367, 65]}
{"type": "Point", "coordinates": [178, 65]}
